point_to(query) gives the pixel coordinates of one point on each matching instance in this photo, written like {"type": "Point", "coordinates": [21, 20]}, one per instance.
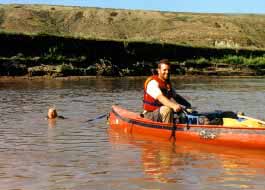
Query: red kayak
{"type": "Point", "coordinates": [236, 136]}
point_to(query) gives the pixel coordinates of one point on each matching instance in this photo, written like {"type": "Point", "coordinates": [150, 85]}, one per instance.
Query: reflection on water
{"type": "Point", "coordinates": [75, 154]}
{"type": "Point", "coordinates": [196, 166]}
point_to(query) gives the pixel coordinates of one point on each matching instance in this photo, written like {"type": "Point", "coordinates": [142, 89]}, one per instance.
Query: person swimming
{"type": "Point", "coordinates": [52, 117]}
{"type": "Point", "coordinates": [52, 114]}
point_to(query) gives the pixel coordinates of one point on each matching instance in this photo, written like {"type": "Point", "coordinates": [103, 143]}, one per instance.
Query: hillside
{"type": "Point", "coordinates": [41, 40]}
{"type": "Point", "coordinates": [201, 30]}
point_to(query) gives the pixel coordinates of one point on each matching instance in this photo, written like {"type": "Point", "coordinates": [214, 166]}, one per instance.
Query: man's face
{"type": "Point", "coordinates": [163, 71]}
{"type": "Point", "coordinates": [52, 113]}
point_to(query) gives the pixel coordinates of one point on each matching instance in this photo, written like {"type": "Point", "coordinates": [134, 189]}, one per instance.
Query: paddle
{"type": "Point", "coordinates": [97, 118]}
{"type": "Point", "coordinates": [174, 127]}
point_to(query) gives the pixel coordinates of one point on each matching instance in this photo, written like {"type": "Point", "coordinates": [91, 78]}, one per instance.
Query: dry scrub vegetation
{"type": "Point", "coordinates": [210, 30]}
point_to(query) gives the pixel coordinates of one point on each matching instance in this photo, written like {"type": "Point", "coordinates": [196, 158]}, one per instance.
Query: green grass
{"type": "Point", "coordinates": [253, 62]}
{"type": "Point", "coordinates": [229, 60]}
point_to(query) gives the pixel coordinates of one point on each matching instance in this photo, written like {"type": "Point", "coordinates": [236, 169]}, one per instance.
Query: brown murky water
{"type": "Point", "coordinates": [75, 154]}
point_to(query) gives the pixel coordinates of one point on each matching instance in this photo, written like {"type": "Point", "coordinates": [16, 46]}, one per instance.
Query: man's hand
{"type": "Point", "coordinates": [166, 102]}
{"type": "Point", "coordinates": [177, 108]}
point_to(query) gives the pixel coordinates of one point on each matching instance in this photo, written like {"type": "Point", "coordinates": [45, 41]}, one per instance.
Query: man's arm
{"type": "Point", "coordinates": [180, 100]}
{"type": "Point", "coordinates": [154, 91]}
{"type": "Point", "coordinates": [166, 102]}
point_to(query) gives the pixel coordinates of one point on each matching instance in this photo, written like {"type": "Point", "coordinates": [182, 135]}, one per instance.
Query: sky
{"type": "Point", "coordinates": [201, 6]}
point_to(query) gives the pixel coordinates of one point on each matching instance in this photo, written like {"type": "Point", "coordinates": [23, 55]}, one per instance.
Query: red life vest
{"type": "Point", "coordinates": [151, 104]}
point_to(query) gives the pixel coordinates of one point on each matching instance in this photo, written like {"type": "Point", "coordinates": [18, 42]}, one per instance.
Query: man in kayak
{"type": "Point", "coordinates": [160, 100]}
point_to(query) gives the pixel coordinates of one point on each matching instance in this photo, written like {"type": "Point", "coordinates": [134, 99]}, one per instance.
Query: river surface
{"type": "Point", "coordinates": [36, 154]}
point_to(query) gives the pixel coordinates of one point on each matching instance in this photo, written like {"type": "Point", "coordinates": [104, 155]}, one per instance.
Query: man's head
{"type": "Point", "coordinates": [163, 69]}
{"type": "Point", "coordinates": [52, 113]}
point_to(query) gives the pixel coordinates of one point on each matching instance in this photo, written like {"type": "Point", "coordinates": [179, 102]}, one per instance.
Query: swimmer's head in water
{"type": "Point", "coordinates": [52, 113]}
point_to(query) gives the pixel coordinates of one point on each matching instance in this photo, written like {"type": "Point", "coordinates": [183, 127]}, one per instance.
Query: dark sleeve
{"type": "Point", "coordinates": [179, 99]}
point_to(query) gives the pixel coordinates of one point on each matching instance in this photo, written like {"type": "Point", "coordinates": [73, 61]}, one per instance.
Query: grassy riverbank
{"type": "Point", "coordinates": [56, 41]}
{"type": "Point", "coordinates": [226, 66]}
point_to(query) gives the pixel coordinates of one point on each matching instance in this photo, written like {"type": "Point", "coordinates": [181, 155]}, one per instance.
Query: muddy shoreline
{"type": "Point", "coordinates": [77, 78]}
